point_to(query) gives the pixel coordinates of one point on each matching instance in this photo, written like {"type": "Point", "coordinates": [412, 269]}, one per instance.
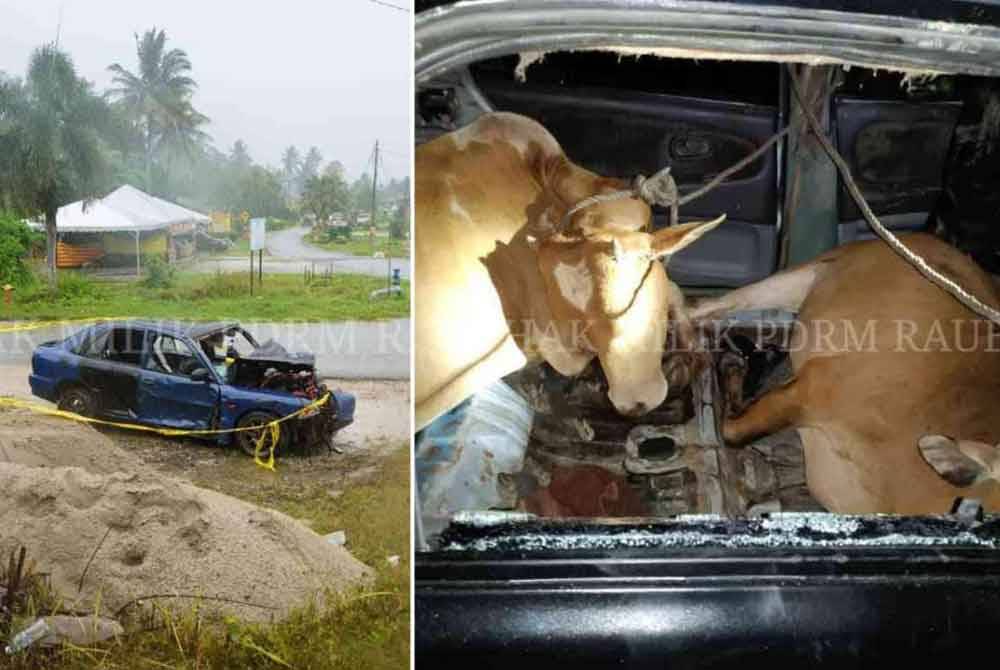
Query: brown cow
{"type": "Point", "coordinates": [883, 360]}
{"type": "Point", "coordinates": [497, 279]}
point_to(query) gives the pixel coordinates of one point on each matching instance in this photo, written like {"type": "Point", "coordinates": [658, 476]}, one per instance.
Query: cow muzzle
{"type": "Point", "coordinates": [635, 399]}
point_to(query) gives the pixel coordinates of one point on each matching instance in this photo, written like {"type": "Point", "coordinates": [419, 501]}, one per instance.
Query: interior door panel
{"type": "Point", "coordinates": [897, 152]}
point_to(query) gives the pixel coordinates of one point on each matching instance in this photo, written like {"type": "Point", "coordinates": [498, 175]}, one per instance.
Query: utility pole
{"type": "Point", "coordinates": [371, 227]}
{"type": "Point", "coordinates": [371, 222]}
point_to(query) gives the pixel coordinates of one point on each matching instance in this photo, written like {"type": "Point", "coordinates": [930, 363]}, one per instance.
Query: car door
{"type": "Point", "coordinates": [168, 396]}
{"type": "Point", "coordinates": [109, 366]}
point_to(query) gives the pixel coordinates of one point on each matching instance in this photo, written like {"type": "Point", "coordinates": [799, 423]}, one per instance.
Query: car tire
{"type": "Point", "coordinates": [247, 440]}
{"type": "Point", "coordinates": [78, 400]}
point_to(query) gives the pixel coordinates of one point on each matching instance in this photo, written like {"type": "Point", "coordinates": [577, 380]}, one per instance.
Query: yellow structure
{"type": "Point", "coordinates": [149, 243]}
{"type": "Point", "coordinates": [221, 222]}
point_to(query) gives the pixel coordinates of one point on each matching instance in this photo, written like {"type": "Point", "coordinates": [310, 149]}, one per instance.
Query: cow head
{"type": "Point", "coordinates": [605, 293]}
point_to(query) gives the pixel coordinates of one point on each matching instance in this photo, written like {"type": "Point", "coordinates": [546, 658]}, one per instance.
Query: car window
{"type": "Point", "coordinates": [93, 343]}
{"type": "Point", "coordinates": [171, 355]}
{"type": "Point", "coordinates": [124, 345]}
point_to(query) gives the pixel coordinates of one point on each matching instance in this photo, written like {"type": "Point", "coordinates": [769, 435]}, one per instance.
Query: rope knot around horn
{"type": "Point", "coordinates": [659, 189]}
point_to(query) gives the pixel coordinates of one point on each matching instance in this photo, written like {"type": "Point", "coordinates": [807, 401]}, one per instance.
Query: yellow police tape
{"type": "Point", "coordinates": [35, 325]}
{"type": "Point", "coordinates": [271, 429]}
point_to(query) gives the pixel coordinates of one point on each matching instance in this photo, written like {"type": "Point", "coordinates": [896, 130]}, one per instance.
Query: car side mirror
{"type": "Point", "coordinates": [201, 375]}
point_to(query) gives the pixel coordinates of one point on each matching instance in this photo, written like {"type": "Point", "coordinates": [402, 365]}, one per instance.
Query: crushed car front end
{"type": "Point", "coordinates": [271, 378]}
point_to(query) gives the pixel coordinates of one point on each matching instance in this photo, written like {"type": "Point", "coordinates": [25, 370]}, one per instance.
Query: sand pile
{"type": "Point", "coordinates": [166, 536]}
{"type": "Point", "coordinates": [48, 441]}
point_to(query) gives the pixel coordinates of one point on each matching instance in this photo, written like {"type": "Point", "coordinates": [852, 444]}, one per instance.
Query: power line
{"type": "Point", "coordinates": [389, 4]}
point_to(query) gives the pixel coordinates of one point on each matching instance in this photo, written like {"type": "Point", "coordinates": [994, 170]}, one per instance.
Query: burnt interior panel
{"type": "Point", "coordinates": [897, 152]}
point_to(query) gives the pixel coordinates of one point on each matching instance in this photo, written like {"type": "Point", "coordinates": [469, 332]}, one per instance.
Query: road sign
{"type": "Point", "coordinates": [258, 234]}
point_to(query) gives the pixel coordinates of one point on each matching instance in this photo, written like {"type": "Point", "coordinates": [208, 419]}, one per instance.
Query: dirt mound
{"type": "Point", "coordinates": [38, 440]}
{"type": "Point", "coordinates": [165, 537]}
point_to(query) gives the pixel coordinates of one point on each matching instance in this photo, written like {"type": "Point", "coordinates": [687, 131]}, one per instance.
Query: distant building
{"type": "Point", "coordinates": [123, 226]}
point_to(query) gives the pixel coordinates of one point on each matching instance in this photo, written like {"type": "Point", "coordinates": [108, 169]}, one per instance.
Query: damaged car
{"type": "Point", "coordinates": [190, 376]}
{"type": "Point", "coordinates": [692, 487]}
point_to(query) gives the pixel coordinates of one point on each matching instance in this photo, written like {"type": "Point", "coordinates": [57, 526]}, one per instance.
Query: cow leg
{"type": "Point", "coordinates": [776, 410]}
{"type": "Point", "coordinates": [785, 290]}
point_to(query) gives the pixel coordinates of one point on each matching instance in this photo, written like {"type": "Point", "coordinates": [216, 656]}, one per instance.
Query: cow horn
{"type": "Point", "coordinates": [619, 251]}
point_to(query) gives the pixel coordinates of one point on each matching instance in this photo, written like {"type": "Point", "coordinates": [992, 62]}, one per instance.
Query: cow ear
{"type": "Point", "coordinates": [961, 463]}
{"type": "Point", "coordinates": [670, 240]}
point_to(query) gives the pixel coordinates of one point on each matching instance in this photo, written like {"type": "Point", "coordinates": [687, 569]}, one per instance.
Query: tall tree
{"type": "Point", "coordinates": [158, 99]}
{"type": "Point", "coordinates": [50, 141]}
{"type": "Point", "coordinates": [290, 164]}
{"type": "Point", "coordinates": [239, 156]}
{"type": "Point", "coordinates": [335, 168]}
{"type": "Point", "coordinates": [323, 196]}
{"type": "Point", "coordinates": [361, 192]}
{"type": "Point", "coordinates": [311, 164]}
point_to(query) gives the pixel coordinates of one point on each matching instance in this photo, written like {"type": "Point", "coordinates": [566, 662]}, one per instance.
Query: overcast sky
{"type": "Point", "coordinates": [330, 73]}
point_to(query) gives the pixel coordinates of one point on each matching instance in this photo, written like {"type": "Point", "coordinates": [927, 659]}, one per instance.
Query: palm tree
{"type": "Point", "coordinates": [239, 156]}
{"type": "Point", "coordinates": [311, 164]}
{"type": "Point", "coordinates": [158, 98]}
{"type": "Point", "coordinates": [290, 163]}
{"type": "Point", "coordinates": [50, 141]}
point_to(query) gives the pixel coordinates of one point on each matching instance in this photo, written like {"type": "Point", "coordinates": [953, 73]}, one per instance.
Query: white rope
{"type": "Point", "coordinates": [932, 275]}
{"type": "Point", "coordinates": [659, 189]}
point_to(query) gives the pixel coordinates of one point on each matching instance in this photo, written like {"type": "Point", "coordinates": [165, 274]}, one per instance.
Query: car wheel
{"type": "Point", "coordinates": [247, 440]}
{"type": "Point", "coordinates": [78, 400]}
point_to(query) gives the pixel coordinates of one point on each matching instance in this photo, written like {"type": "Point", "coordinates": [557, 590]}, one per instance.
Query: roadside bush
{"type": "Point", "coordinates": [71, 287]}
{"type": "Point", "coordinates": [219, 285]}
{"type": "Point", "coordinates": [16, 240]}
{"type": "Point", "coordinates": [159, 273]}
{"type": "Point", "coordinates": [338, 233]}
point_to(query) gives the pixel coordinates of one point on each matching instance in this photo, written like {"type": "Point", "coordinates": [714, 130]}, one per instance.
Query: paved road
{"type": "Point", "coordinates": [289, 253]}
{"type": "Point", "coordinates": [344, 349]}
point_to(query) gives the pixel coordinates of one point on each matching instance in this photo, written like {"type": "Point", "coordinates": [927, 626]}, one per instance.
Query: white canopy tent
{"type": "Point", "coordinates": [142, 206]}
{"type": "Point", "coordinates": [126, 209]}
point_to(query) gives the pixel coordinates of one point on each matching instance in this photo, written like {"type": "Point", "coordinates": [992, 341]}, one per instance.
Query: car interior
{"type": "Point", "coordinates": [922, 149]}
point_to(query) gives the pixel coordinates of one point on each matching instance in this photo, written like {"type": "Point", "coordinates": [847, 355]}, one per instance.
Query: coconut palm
{"type": "Point", "coordinates": [158, 99]}
{"type": "Point", "coordinates": [290, 163]}
{"type": "Point", "coordinates": [239, 156]}
{"type": "Point", "coordinates": [311, 164]}
{"type": "Point", "coordinates": [51, 151]}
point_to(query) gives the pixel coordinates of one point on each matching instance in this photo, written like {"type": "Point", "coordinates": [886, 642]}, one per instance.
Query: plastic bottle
{"type": "Point", "coordinates": [29, 636]}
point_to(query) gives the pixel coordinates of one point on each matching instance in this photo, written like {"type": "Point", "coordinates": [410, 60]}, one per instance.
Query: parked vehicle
{"type": "Point", "coordinates": [194, 376]}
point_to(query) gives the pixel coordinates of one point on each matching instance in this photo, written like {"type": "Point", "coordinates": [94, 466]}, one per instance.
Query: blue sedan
{"type": "Point", "coordinates": [193, 376]}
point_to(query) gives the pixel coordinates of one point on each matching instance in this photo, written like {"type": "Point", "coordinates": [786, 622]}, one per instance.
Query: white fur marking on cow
{"type": "Point", "coordinates": [459, 211]}
{"type": "Point", "coordinates": [575, 283]}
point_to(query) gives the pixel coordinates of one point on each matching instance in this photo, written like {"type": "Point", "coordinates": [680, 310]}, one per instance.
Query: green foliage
{"type": "Point", "coordinates": [159, 272]}
{"type": "Point", "coordinates": [72, 289]}
{"type": "Point", "coordinates": [399, 226]}
{"type": "Point", "coordinates": [16, 241]}
{"type": "Point", "coordinates": [325, 195]}
{"type": "Point", "coordinates": [204, 297]}
{"type": "Point", "coordinates": [51, 146]}
{"type": "Point", "coordinates": [156, 100]}
{"type": "Point", "coordinates": [258, 190]}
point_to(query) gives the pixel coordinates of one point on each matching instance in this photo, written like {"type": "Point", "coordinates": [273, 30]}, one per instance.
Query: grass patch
{"type": "Point", "coordinates": [360, 245]}
{"type": "Point", "coordinates": [363, 629]}
{"type": "Point", "coordinates": [213, 297]}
